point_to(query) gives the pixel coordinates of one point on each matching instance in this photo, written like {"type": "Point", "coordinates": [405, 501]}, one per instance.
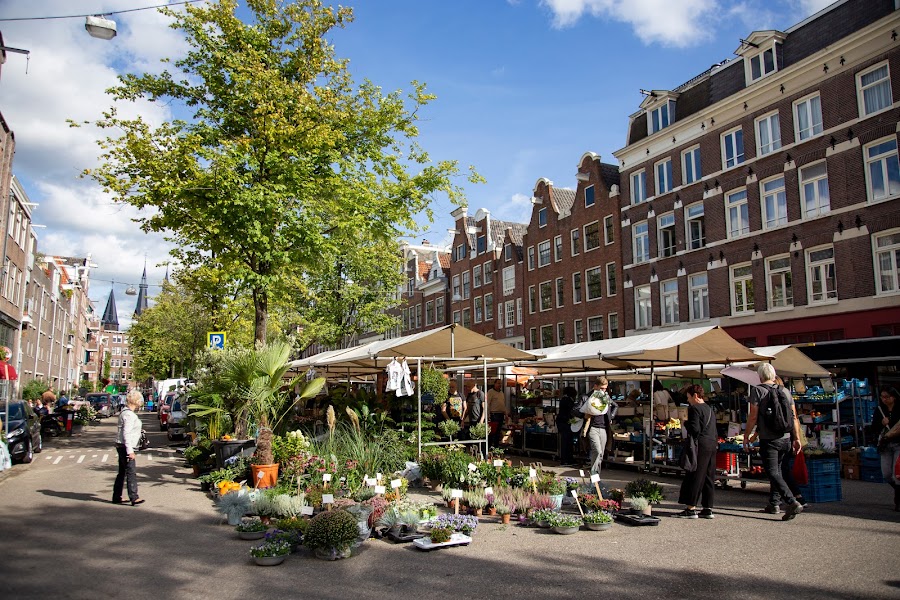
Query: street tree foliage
{"type": "Point", "coordinates": [287, 177]}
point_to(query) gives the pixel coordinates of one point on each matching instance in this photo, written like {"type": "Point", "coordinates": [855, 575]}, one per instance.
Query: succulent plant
{"type": "Point", "coordinates": [639, 503]}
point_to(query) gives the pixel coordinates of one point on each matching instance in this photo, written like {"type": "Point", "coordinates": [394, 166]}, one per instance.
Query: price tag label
{"type": "Point", "coordinates": [581, 473]}
{"type": "Point", "coordinates": [371, 482]}
{"type": "Point", "coordinates": [532, 473]}
{"type": "Point", "coordinates": [327, 498]}
{"type": "Point", "coordinates": [260, 475]}
{"type": "Point", "coordinates": [343, 479]}
{"type": "Point", "coordinates": [498, 463]}
{"type": "Point", "coordinates": [378, 476]}
{"type": "Point", "coordinates": [456, 493]}
{"type": "Point", "coordinates": [595, 478]}
{"type": "Point", "coordinates": [734, 429]}
{"type": "Point", "coordinates": [472, 467]}
{"type": "Point", "coordinates": [306, 510]}
{"type": "Point", "coordinates": [396, 483]}
{"type": "Point", "coordinates": [326, 477]}
{"type": "Point", "coordinates": [380, 489]}
{"type": "Point", "coordinates": [488, 491]}
{"type": "Point", "coordinates": [574, 493]}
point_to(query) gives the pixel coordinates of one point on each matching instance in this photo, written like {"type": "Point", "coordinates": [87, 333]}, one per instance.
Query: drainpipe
{"type": "Point", "coordinates": [37, 326]}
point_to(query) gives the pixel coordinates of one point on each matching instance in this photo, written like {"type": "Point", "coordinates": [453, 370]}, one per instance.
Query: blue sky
{"type": "Point", "coordinates": [525, 88]}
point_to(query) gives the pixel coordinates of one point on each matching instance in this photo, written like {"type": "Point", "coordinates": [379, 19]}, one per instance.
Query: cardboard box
{"type": "Point", "coordinates": [850, 457]}
{"type": "Point", "coordinates": [850, 471]}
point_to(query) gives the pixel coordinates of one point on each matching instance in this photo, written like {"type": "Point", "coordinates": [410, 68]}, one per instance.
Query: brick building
{"type": "Point", "coordinates": [573, 260]}
{"type": "Point", "coordinates": [423, 295]}
{"type": "Point", "coordinates": [762, 195]}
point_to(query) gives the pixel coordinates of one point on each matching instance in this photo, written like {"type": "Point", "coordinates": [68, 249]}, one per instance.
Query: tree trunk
{"type": "Point", "coordinates": [261, 317]}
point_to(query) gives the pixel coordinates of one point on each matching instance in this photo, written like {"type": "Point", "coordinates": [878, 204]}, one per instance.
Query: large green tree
{"type": "Point", "coordinates": [284, 174]}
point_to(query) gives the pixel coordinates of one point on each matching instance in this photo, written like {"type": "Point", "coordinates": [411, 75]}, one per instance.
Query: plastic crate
{"type": "Point", "coordinates": [870, 463]}
{"type": "Point", "coordinates": [823, 492]}
{"type": "Point", "coordinates": [870, 452]}
{"type": "Point", "coordinates": [726, 461]}
{"type": "Point", "coordinates": [824, 467]}
{"type": "Point", "coordinates": [871, 474]}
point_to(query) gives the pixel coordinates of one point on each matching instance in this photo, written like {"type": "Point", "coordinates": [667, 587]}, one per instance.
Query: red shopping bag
{"type": "Point", "coordinates": [897, 470]}
{"type": "Point", "coordinates": [799, 471]}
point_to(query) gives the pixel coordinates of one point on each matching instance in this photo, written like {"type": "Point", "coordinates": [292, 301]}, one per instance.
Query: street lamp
{"type": "Point", "coordinates": [100, 27]}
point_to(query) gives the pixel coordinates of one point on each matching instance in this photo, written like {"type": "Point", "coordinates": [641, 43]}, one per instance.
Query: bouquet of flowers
{"type": "Point", "coordinates": [597, 403]}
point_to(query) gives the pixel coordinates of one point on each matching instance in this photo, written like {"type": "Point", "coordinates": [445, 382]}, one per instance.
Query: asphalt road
{"type": "Point", "coordinates": [62, 538]}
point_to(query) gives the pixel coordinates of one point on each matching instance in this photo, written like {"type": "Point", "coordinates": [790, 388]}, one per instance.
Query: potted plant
{"type": "Point", "coordinates": [504, 511]}
{"type": "Point", "coordinates": [651, 491]}
{"type": "Point", "coordinates": [434, 386]}
{"type": "Point", "coordinates": [288, 506]}
{"type": "Point", "coordinates": [490, 507]}
{"type": "Point", "coordinates": [331, 534]}
{"type": "Point", "coordinates": [597, 520]}
{"type": "Point", "coordinates": [234, 505]}
{"type": "Point", "coordinates": [271, 552]}
{"type": "Point", "coordinates": [293, 531]}
{"type": "Point", "coordinates": [565, 524]}
{"type": "Point", "coordinates": [556, 489]}
{"type": "Point", "coordinates": [542, 517]}
{"type": "Point", "coordinates": [449, 428]}
{"type": "Point", "coordinates": [251, 529]}
{"type": "Point", "coordinates": [263, 506]}
{"type": "Point", "coordinates": [640, 505]}
{"type": "Point", "coordinates": [439, 535]}
{"type": "Point", "coordinates": [478, 432]}
{"type": "Point", "coordinates": [476, 502]}
{"type": "Point", "coordinates": [459, 523]}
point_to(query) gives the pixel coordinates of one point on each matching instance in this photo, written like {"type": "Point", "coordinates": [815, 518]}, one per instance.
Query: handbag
{"type": "Point", "coordinates": [143, 442]}
{"type": "Point", "coordinates": [689, 450]}
{"type": "Point", "coordinates": [883, 441]}
{"type": "Point", "coordinates": [799, 470]}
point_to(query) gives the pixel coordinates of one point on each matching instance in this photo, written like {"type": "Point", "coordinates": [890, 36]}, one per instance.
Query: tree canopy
{"type": "Point", "coordinates": [285, 179]}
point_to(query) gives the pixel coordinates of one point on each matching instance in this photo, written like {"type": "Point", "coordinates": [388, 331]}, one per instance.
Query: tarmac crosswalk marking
{"type": "Point", "coordinates": [58, 458]}
{"type": "Point", "coordinates": [81, 459]}
{"type": "Point", "coordinates": [105, 456]}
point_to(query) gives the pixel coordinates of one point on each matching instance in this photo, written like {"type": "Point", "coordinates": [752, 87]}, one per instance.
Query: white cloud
{"type": "Point", "coordinates": [653, 21]}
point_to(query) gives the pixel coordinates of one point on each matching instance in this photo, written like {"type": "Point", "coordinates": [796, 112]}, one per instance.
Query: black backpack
{"type": "Point", "coordinates": [775, 410]}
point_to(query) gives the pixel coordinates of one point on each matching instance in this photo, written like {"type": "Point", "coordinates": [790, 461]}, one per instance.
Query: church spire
{"type": "Point", "coordinates": [110, 320]}
{"type": "Point", "coordinates": [142, 294]}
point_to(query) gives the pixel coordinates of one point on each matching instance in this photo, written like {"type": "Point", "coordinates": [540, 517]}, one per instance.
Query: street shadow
{"type": "Point", "coordinates": [74, 496]}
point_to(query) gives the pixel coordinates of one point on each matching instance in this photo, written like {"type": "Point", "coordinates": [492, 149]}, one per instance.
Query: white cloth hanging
{"type": "Point", "coordinates": [406, 387]}
{"type": "Point", "coordinates": [394, 375]}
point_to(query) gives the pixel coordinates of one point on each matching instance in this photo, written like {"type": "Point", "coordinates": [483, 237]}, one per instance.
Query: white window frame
{"type": "Point", "coordinates": [739, 157]}
{"type": "Point", "coordinates": [585, 235]}
{"type": "Point", "coordinates": [557, 248]}
{"type": "Point", "coordinates": [533, 301]}
{"type": "Point", "coordinates": [429, 313]}
{"type": "Point", "coordinates": [886, 161]}
{"type": "Point", "coordinates": [663, 228]}
{"type": "Point", "coordinates": [638, 181]}
{"type": "Point", "coordinates": [664, 176]}
{"type": "Point", "coordinates": [688, 219]}
{"type": "Point", "coordinates": [643, 307]}
{"type": "Point", "coordinates": [488, 273]}
{"type": "Point", "coordinates": [760, 59]}
{"type": "Point", "coordinates": [610, 318]}
{"type": "Point", "coordinates": [587, 283]}
{"type": "Point", "coordinates": [532, 258]}
{"type": "Point", "coordinates": [578, 331]}
{"type": "Point", "coordinates": [546, 340]}
{"type": "Point", "coordinates": [778, 197]}
{"type": "Point", "coordinates": [533, 338]}
{"type": "Point", "coordinates": [860, 91]}
{"type": "Point", "coordinates": [694, 173]}
{"type": "Point", "coordinates": [541, 254]}
{"type": "Point", "coordinates": [457, 316]}
{"type": "Point", "coordinates": [560, 293]}
{"type": "Point", "coordinates": [476, 276]}
{"type": "Point", "coordinates": [668, 302]}
{"type": "Point", "coordinates": [510, 312]}
{"type": "Point", "coordinates": [466, 285]}
{"type": "Point", "coordinates": [609, 230]}
{"type": "Point", "coordinates": [698, 292]}
{"type": "Point", "coordinates": [744, 283]}
{"type": "Point", "coordinates": [644, 236]}
{"type": "Point", "coordinates": [560, 333]}
{"type": "Point", "coordinates": [489, 307]}
{"type": "Point", "coordinates": [456, 290]}
{"type": "Point", "coordinates": [518, 311]}
{"type": "Point", "coordinates": [549, 287]}
{"type": "Point", "coordinates": [577, 289]}
{"type": "Point", "coordinates": [575, 238]}
{"type": "Point", "coordinates": [665, 116]}
{"type": "Point", "coordinates": [820, 207]}
{"type": "Point", "coordinates": [509, 280]}
{"type": "Point", "coordinates": [591, 321]}
{"type": "Point", "coordinates": [784, 284]}
{"type": "Point", "coordinates": [770, 125]}
{"type": "Point", "coordinates": [479, 308]}
{"type": "Point", "coordinates": [593, 195]}
{"type": "Point", "coordinates": [828, 295]}
{"type": "Point", "coordinates": [439, 310]}
{"type": "Point", "coordinates": [886, 258]}
{"type": "Point", "coordinates": [612, 287]}
{"type": "Point", "coordinates": [737, 214]}
{"type": "Point", "coordinates": [542, 217]}
{"type": "Point", "coordinates": [816, 125]}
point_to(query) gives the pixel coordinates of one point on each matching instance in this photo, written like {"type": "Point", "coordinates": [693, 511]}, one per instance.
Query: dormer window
{"type": "Point", "coordinates": [482, 244]}
{"type": "Point", "coordinates": [661, 117]}
{"type": "Point", "coordinates": [762, 64]}
{"type": "Point", "coordinates": [542, 217]}
{"type": "Point", "coordinates": [762, 53]}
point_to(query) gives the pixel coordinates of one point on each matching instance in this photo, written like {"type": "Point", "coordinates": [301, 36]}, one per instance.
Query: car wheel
{"type": "Point", "coordinates": [29, 454]}
{"type": "Point", "coordinates": [40, 444]}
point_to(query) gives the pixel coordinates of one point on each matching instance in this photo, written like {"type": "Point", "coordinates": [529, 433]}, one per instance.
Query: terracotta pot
{"type": "Point", "coordinates": [505, 519]}
{"type": "Point", "coordinates": [196, 469]}
{"type": "Point", "coordinates": [478, 512]}
{"type": "Point", "coordinates": [264, 476]}
{"type": "Point", "coordinates": [492, 511]}
{"type": "Point", "coordinates": [647, 511]}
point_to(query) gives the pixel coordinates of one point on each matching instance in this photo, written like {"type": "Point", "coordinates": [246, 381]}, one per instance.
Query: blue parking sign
{"type": "Point", "coordinates": [216, 339]}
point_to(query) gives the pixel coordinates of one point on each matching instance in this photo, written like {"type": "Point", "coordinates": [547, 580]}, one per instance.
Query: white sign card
{"type": "Point", "coordinates": [371, 482]}
{"type": "Point", "coordinates": [826, 438]}
{"type": "Point", "coordinates": [488, 491]}
{"type": "Point", "coordinates": [733, 429]}
{"type": "Point", "coordinates": [574, 493]}
{"type": "Point", "coordinates": [378, 476]}
{"type": "Point", "coordinates": [456, 493]}
{"type": "Point", "coordinates": [472, 467]}
{"type": "Point", "coordinates": [532, 473]}
{"type": "Point", "coordinates": [306, 510]}
{"type": "Point", "coordinates": [595, 477]}
{"type": "Point", "coordinates": [498, 463]}
{"type": "Point", "coordinates": [326, 477]}
{"type": "Point", "coordinates": [396, 483]}
{"type": "Point", "coordinates": [327, 498]}
{"type": "Point", "coordinates": [260, 475]}
{"type": "Point", "coordinates": [581, 473]}
{"type": "Point", "coordinates": [380, 489]}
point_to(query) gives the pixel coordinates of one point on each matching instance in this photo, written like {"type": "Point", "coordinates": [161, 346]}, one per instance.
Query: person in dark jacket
{"type": "Point", "coordinates": [885, 421]}
{"type": "Point", "coordinates": [699, 485]}
{"type": "Point", "coordinates": [566, 435]}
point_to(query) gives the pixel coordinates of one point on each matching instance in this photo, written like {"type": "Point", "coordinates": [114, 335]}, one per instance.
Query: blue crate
{"type": "Point", "coordinates": [824, 467]}
{"type": "Point", "coordinates": [870, 463]}
{"type": "Point", "coordinates": [817, 492]}
{"type": "Point", "coordinates": [870, 452]}
{"type": "Point", "coordinates": [870, 474]}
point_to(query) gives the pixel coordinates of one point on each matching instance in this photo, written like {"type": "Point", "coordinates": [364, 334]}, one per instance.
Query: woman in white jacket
{"type": "Point", "coordinates": [127, 438]}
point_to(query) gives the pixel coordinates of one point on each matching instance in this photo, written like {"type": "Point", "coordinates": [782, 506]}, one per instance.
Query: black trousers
{"type": "Point", "coordinates": [127, 472]}
{"type": "Point", "coordinates": [775, 455]}
{"type": "Point", "coordinates": [699, 487]}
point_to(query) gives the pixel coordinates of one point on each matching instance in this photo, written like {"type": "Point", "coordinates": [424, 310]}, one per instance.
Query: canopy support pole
{"type": "Point", "coordinates": [419, 387]}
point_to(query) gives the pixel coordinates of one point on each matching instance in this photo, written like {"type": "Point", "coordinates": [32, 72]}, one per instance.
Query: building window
{"type": "Point", "coordinates": [576, 288]}
{"type": "Point", "coordinates": [532, 335]}
{"type": "Point", "coordinates": [814, 190]}
{"type": "Point", "coordinates": [611, 287]}
{"type": "Point", "coordinates": [589, 196]}
{"type": "Point", "coordinates": [695, 224]}
{"type": "Point", "coordinates": [479, 313]}
{"type": "Point", "coordinates": [781, 294]}
{"type": "Point", "coordinates": [699, 291]}
{"type": "Point", "coordinates": [643, 307]}
{"type": "Point", "coordinates": [488, 272]}
{"type": "Point", "coordinates": [518, 311]}
{"type": "Point", "coordinates": [774, 203]}
{"type": "Point", "coordinates": [595, 329]}
{"type": "Point", "coordinates": [882, 169]}
{"type": "Point", "coordinates": [509, 280]}
{"type": "Point", "coordinates": [429, 313]}
{"type": "Point", "coordinates": [821, 275]}
{"type": "Point", "coordinates": [762, 64]}
{"type": "Point", "coordinates": [664, 177]}
{"type": "Point", "coordinates": [732, 148]}
{"type": "Point", "coordinates": [544, 253]}
{"type": "Point", "coordinates": [661, 117]}
{"type": "Point", "coordinates": [510, 313]}
{"type": "Point", "coordinates": [560, 292]}
{"type": "Point", "coordinates": [742, 289]}
{"type": "Point", "coordinates": [613, 325]}
{"type": "Point", "coordinates": [439, 310]}
{"type": "Point", "coordinates": [560, 333]}
{"type": "Point", "coordinates": [546, 296]}
{"type": "Point", "coordinates": [418, 316]}
{"type": "Point", "coordinates": [410, 286]}
{"type": "Point", "coordinates": [591, 236]}
{"type": "Point", "coordinates": [532, 299]}
{"type": "Point", "coordinates": [594, 279]}
{"type": "Point", "coordinates": [690, 165]}
{"type": "Point", "coordinates": [460, 252]}
{"type": "Point", "coordinates": [557, 248]}
{"type": "Point", "coordinates": [531, 258]}
{"type": "Point", "coordinates": [476, 276]}
{"type": "Point", "coordinates": [546, 336]}
{"type": "Point", "coordinates": [488, 307]}
{"type": "Point", "coordinates": [768, 134]}
{"type": "Point", "coordinates": [666, 238]}
{"type": "Point", "coordinates": [456, 316]}
{"type": "Point", "coordinates": [542, 217]}
{"type": "Point", "coordinates": [480, 245]}
{"type": "Point", "coordinates": [467, 318]}
{"type": "Point", "coordinates": [874, 90]}
{"type": "Point", "coordinates": [609, 231]}
{"type": "Point", "coordinates": [641, 235]}
{"type": "Point", "coordinates": [638, 187]}
{"type": "Point", "coordinates": [507, 252]}
{"type": "Point", "coordinates": [668, 300]}
{"type": "Point", "coordinates": [737, 214]}
{"type": "Point", "coordinates": [579, 331]}
{"type": "Point", "coordinates": [456, 289]}
{"type": "Point", "coordinates": [576, 241]}
{"type": "Point", "coordinates": [887, 262]}
{"type": "Point", "coordinates": [466, 285]}
{"type": "Point", "coordinates": [808, 117]}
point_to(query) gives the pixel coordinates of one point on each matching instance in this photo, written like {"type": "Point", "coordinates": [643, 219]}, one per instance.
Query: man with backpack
{"type": "Point", "coordinates": [774, 416]}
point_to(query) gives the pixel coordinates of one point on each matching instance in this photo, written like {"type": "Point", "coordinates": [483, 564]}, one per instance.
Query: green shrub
{"type": "Point", "coordinates": [331, 529]}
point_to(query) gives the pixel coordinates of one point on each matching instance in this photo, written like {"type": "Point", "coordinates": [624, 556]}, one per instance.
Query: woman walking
{"type": "Point", "coordinates": [127, 438]}
{"type": "Point", "coordinates": [886, 430]}
{"type": "Point", "coordinates": [699, 485]}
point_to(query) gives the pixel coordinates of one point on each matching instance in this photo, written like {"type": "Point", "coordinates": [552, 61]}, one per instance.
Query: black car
{"type": "Point", "coordinates": [24, 437]}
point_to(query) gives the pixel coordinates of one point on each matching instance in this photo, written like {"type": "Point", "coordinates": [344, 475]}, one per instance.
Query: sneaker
{"type": "Point", "coordinates": [707, 513]}
{"type": "Point", "coordinates": [686, 514]}
{"type": "Point", "coordinates": [792, 511]}
{"type": "Point", "coordinates": [772, 509]}
{"type": "Point", "coordinates": [801, 500]}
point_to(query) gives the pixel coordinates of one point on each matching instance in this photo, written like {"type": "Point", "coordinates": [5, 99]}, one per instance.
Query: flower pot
{"type": "Point", "coordinates": [205, 486]}
{"type": "Point", "coordinates": [504, 519]}
{"type": "Point", "coordinates": [598, 526]}
{"type": "Point", "coordinates": [196, 470]}
{"type": "Point", "coordinates": [647, 511]}
{"type": "Point", "coordinates": [557, 501]}
{"type": "Point", "coordinates": [477, 512]}
{"type": "Point", "coordinates": [265, 520]}
{"type": "Point", "coordinates": [269, 561]}
{"type": "Point", "coordinates": [264, 476]}
{"type": "Point", "coordinates": [332, 553]}
{"type": "Point", "coordinates": [492, 511]}
{"type": "Point", "coordinates": [225, 449]}
{"type": "Point", "coordinates": [436, 486]}
{"type": "Point", "coordinates": [251, 535]}
{"type": "Point", "coordinates": [234, 519]}
{"type": "Point", "coordinates": [77, 428]}
{"type": "Point", "coordinates": [543, 524]}
{"type": "Point", "coordinates": [565, 530]}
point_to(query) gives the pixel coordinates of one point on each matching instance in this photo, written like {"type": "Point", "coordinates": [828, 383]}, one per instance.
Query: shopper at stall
{"type": "Point", "coordinates": [473, 414]}
{"type": "Point", "coordinates": [566, 435]}
{"type": "Point", "coordinates": [886, 429]}
{"type": "Point", "coordinates": [699, 485]}
{"type": "Point", "coordinates": [599, 410]}
{"type": "Point", "coordinates": [775, 447]}
{"type": "Point", "coordinates": [497, 411]}
{"type": "Point", "coordinates": [455, 406]}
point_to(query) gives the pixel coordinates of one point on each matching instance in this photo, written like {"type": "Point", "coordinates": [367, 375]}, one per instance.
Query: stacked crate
{"type": "Point", "coordinates": [824, 481]}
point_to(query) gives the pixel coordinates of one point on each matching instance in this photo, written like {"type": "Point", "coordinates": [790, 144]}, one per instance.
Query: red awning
{"type": "Point", "coordinates": [7, 371]}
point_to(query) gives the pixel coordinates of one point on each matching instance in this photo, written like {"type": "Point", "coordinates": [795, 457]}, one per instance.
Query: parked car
{"type": "Point", "coordinates": [104, 403]}
{"type": "Point", "coordinates": [178, 419]}
{"type": "Point", "coordinates": [165, 407]}
{"type": "Point", "coordinates": [24, 431]}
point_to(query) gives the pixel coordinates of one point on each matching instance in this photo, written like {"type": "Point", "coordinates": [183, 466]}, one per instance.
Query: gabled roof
{"type": "Point", "coordinates": [563, 198]}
